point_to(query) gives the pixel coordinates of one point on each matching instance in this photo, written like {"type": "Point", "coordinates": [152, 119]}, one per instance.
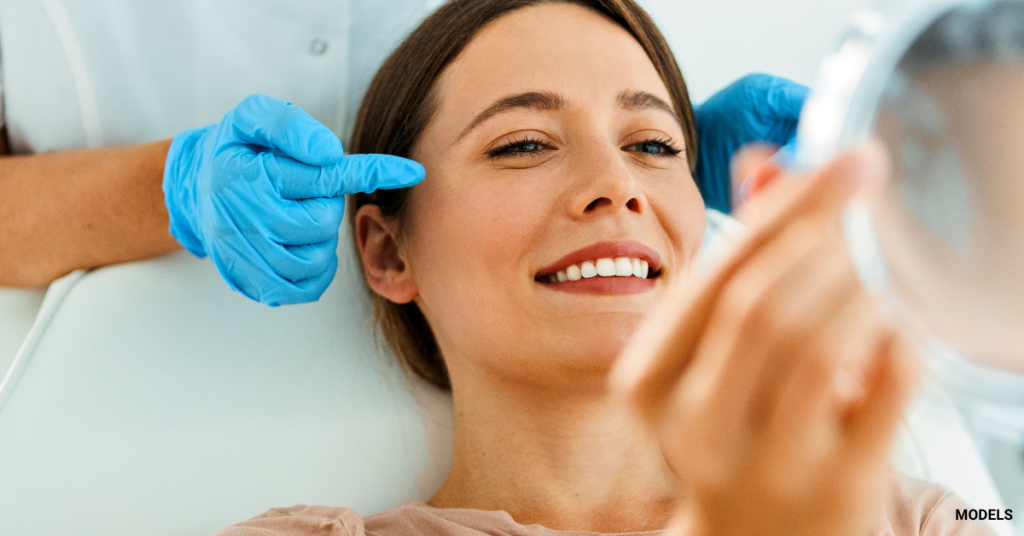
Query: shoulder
{"type": "Point", "coordinates": [300, 521]}
{"type": "Point", "coordinates": [921, 508]}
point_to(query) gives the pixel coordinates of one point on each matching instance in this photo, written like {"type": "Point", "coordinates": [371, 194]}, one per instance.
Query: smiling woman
{"type": "Point", "coordinates": [407, 94]}
{"type": "Point", "coordinates": [558, 212]}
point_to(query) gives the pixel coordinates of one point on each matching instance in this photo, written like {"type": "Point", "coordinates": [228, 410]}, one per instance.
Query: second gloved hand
{"type": "Point", "coordinates": [262, 194]}
{"type": "Point", "coordinates": [757, 108]}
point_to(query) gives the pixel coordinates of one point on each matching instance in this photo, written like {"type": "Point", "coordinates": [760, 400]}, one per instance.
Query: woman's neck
{"type": "Point", "coordinates": [566, 459]}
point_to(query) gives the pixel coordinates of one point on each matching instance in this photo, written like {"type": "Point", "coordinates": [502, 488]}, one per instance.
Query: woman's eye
{"type": "Point", "coordinates": [653, 147]}
{"type": "Point", "coordinates": [518, 148]}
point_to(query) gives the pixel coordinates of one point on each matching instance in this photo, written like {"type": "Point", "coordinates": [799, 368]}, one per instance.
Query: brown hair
{"type": "Point", "coordinates": [400, 103]}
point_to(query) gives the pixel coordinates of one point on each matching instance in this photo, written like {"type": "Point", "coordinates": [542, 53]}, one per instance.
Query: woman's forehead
{"type": "Point", "coordinates": [564, 50]}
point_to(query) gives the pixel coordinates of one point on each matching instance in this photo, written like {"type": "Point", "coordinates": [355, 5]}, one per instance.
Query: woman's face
{"type": "Point", "coordinates": [553, 143]}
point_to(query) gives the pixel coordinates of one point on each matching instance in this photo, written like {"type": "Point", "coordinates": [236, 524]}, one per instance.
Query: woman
{"type": "Point", "coordinates": [558, 210]}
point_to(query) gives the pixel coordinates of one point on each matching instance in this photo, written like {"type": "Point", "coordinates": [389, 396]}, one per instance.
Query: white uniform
{"type": "Point", "coordinates": [118, 72]}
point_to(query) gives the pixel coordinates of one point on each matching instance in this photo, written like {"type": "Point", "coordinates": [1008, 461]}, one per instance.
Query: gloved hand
{"type": "Point", "coordinates": [755, 108]}
{"type": "Point", "coordinates": [262, 192]}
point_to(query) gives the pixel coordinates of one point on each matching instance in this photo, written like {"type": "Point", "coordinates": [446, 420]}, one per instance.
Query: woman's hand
{"type": "Point", "coordinates": [739, 377]}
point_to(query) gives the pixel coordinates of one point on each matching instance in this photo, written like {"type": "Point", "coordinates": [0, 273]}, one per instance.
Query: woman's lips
{"type": "Point", "coordinates": [604, 268]}
{"type": "Point", "coordinates": [605, 286]}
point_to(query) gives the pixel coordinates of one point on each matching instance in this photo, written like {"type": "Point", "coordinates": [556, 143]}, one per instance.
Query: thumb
{"type": "Point", "coordinates": [274, 124]}
{"type": "Point", "coordinates": [783, 101]}
{"type": "Point", "coordinates": [785, 98]}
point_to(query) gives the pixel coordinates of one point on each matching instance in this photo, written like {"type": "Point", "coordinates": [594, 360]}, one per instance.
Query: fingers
{"type": "Point", "coordinates": [297, 263]}
{"type": "Point", "coordinates": [295, 239]}
{"type": "Point", "coordinates": [274, 124]}
{"type": "Point", "coordinates": [756, 340]}
{"type": "Point", "coordinates": [805, 416]}
{"type": "Point", "coordinates": [822, 194]}
{"type": "Point", "coordinates": [739, 374]}
{"type": "Point", "coordinates": [351, 174]}
{"type": "Point", "coordinates": [308, 221]}
{"type": "Point", "coordinates": [296, 180]}
{"type": "Point", "coordinates": [276, 246]}
{"type": "Point", "coordinates": [785, 99]}
{"type": "Point", "coordinates": [812, 426]}
{"type": "Point", "coordinates": [247, 271]}
{"type": "Point", "coordinates": [368, 172]}
{"type": "Point", "coordinates": [752, 344]}
{"type": "Point", "coordinates": [270, 286]}
{"type": "Point", "coordinates": [789, 319]}
{"type": "Point", "coordinates": [284, 292]}
{"type": "Point", "coordinates": [730, 357]}
{"type": "Point", "coordinates": [892, 377]}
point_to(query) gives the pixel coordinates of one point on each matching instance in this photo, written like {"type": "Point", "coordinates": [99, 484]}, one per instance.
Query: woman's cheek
{"type": "Point", "coordinates": [486, 230]}
{"type": "Point", "coordinates": [680, 209]}
{"type": "Point", "coordinates": [478, 226]}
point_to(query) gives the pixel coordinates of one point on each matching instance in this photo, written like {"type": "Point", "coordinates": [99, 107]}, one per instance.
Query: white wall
{"type": "Point", "coordinates": [717, 41]}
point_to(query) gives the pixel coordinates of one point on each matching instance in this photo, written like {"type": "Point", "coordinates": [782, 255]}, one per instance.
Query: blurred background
{"type": "Point", "coordinates": [717, 42]}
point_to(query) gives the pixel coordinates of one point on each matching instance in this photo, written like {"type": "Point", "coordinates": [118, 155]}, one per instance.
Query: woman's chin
{"type": "Point", "coordinates": [569, 351]}
{"type": "Point", "coordinates": [601, 346]}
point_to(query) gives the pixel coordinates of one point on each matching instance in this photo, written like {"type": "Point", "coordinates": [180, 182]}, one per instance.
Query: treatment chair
{"type": "Point", "coordinates": [148, 398]}
{"type": "Point", "coordinates": [151, 399]}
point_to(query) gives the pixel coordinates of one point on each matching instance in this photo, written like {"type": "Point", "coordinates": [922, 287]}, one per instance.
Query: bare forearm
{"type": "Point", "coordinates": [64, 211]}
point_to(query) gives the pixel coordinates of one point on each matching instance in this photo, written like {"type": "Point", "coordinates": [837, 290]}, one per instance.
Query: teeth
{"type": "Point", "coordinates": [618, 267]}
{"type": "Point", "coordinates": [587, 270]}
{"type": "Point", "coordinates": [605, 267]}
{"type": "Point", "coordinates": [623, 267]}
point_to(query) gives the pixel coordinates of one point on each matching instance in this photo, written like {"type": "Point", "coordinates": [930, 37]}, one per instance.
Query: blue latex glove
{"type": "Point", "coordinates": [262, 193]}
{"type": "Point", "coordinates": [755, 108]}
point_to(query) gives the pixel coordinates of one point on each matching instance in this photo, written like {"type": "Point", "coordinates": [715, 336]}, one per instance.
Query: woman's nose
{"type": "Point", "coordinates": [605, 185]}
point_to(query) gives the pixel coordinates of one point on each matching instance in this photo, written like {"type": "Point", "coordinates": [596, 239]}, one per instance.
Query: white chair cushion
{"type": "Point", "coordinates": [157, 401]}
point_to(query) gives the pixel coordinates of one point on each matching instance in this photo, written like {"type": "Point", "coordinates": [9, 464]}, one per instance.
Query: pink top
{"type": "Point", "coordinates": [916, 508]}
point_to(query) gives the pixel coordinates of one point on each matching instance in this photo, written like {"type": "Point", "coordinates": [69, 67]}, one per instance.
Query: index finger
{"type": "Point", "coordinates": [275, 124]}
{"type": "Point", "coordinates": [354, 173]}
{"type": "Point", "coordinates": [660, 350]}
{"type": "Point", "coordinates": [364, 173]}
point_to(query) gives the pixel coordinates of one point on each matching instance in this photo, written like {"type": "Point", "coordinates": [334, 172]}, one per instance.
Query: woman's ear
{"type": "Point", "coordinates": [384, 264]}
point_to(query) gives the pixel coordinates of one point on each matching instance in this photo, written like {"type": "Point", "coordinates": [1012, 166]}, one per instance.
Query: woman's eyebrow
{"type": "Point", "coordinates": [536, 100]}
{"type": "Point", "coordinates": [642, 100]}
{"type": "Point", "coordinates": [547, 101]}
